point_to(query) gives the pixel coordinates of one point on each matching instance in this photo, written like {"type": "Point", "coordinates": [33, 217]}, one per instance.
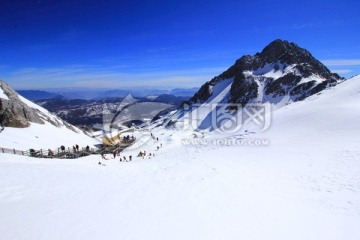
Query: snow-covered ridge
{"type": "Point", "coordinates": [49, 117]}
{"type": "Point", "coordinates": [277, 70]}
{"type": "Point", "coordinates": [271, 70]}
{"type": "Point", "coordinates": [28, 125]}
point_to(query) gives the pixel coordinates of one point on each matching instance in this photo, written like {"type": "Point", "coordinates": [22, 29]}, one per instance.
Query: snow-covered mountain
{"type": "Point", "coordinates": [27, 125]}
{"type": "Point", "coordinates": [280, 74]}
{"type": "Point", "coordinates": [283, 72]}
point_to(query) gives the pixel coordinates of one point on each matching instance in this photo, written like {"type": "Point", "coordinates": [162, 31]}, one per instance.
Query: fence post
{"type": "Point", "coordinates": [14, 151]}
{"type": "Point", "coordinates": [2, 150]}
{"type": "Point", "coordinates": [22, 153]}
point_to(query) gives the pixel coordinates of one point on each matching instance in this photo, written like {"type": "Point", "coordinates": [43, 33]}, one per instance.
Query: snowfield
{"type": "Point", "coordinates": [303, 184]}
{"type": "Point", "coordinates": [43, 136]}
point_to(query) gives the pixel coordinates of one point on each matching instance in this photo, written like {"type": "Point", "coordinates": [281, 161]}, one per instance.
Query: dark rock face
{"type": "Point", "coordinates": [282, 85]}
{"type": "Point", "coordinates": [204, 92]}
{"type": "Point", "coordinates": [294, 63]}
{"type": "Point", "coordinates": [243, 89]}
{"type": "Point", "coordinates": [13, 112]}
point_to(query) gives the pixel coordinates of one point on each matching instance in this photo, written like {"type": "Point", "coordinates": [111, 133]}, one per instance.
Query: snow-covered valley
{"type": "Point", "coordinates": [303, 184]}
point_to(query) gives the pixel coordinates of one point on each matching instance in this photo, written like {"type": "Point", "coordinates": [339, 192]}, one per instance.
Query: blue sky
{"type": "Point", "coordinates": [143, 43]}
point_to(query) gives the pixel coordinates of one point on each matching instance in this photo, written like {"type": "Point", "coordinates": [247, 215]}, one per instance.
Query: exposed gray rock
{"type": "Point", "coordinates": [15, 113]}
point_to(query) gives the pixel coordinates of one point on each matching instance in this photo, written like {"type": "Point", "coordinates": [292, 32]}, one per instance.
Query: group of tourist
{"type": "Point", "coordinates": [128, 138]}
{"type": "Point", "coordinates": [142, 154]}
{"type": "Point", "coordinates": [75, 148]}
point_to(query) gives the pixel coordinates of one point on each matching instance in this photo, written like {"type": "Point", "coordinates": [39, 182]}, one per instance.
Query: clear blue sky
{"type": "Point", "coordinates": [115, 43]}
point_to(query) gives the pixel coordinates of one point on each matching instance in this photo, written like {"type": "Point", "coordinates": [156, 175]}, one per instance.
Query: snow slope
{"type": "Point", "coordinates": [304, 184]}
{"type": "Point", "coordinates": [43, 136]}
{"type": "Point", "coordinates": [52, 134]}
{"type": "Point", "coordinates": [199, 114]}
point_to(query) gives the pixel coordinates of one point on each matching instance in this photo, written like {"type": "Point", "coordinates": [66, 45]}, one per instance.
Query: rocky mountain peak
{"type": "Point", "coordinates": [284, 52]}
{"type": "Point", "coordinates": [281, 69]}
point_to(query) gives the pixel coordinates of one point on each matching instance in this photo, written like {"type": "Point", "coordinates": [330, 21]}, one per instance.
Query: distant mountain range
{"type": "Point", "coordinates": [89, 94]}
{"type": "Point", "coordinates": [38, 94]}
{"type": "Point", "coordinates": [18, 112]}
{"type": "Point", "coordinates": [82, 112]}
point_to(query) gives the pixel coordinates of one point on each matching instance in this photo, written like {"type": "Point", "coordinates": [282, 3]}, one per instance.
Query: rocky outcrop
{"type": "Point", "coordinates": [15, 113]}
{"type": "Point", "coordinates": [18, 112]}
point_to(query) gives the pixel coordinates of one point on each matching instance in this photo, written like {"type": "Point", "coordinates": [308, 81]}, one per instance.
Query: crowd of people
{"type": "Point", "coordinates": [142, 154]}
{"type": "Point", "coordinates": [75, 148]}
{"type": "Point", "coordinates": [116, 154]}
{"type": "Point", "coordinates": [62, 149]}
{"type": "Point", "coordinates": [128, 138]}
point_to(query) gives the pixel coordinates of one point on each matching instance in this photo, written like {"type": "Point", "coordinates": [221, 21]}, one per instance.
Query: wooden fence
{"type": "Point", "coordinates": [67, 153]}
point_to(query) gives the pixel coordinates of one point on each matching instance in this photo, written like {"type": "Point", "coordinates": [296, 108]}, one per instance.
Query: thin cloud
{"type": "Point", "coordinates": [342, 62]}
{"type": "Point", "coordinates": [341, 71]}
{"type": "Point", "coordinates": [107, 77]}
